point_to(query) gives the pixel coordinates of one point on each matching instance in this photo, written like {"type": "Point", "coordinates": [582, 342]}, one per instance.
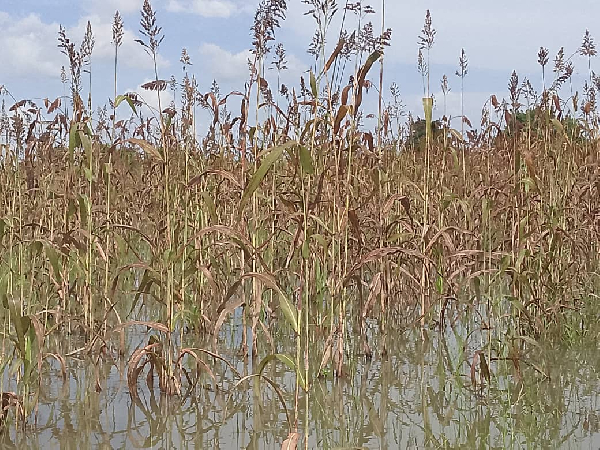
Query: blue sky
{"type": "Point", "coordinates": [497, 37]}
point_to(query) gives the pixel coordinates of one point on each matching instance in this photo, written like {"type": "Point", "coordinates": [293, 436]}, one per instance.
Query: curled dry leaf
{"type": "Point", "coordinates": [53, 106]}
{"type": "Point", "coordinates": [404, 201]}
{"type": "Point", "coordinates": [345, 93]}
{"type": "Point", "coordinates": [134, 368]}
{"type": "Point", "coordinates": [156, 85]}
{"type": "Point", "coordinates": [291, 442]}
{"type": "Point", "coordinates": [326, 353]}
{"type": "Point", "coordinates": [154, 325]}
{"type": "Point", "coordinates": [334, 54]}
{"type": "Point", "coordinates": [341, 113]}
{"type": "Point", "coordinates": [221, 173]}
{"type": "Point", "coordinates": [17, 105]}
{"type": "Point", "coordinates": [374, 291]}
{"type": "Point", "coordinates": [200, 365]}
{"type": "Point", "coordinates": [11, 399]}
{"type": "Point", "coordinates": [379, 253]}
{"type": "Point", "coordinates": [148, 148]}
{"type": "Point", "coordinates": [530, 163]}
{"type": "Point", "coordinates": [61, 361]}
{"type": "Point", "coordinates": [556, 102]}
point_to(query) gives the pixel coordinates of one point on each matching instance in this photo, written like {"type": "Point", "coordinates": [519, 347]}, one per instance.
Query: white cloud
{"type": "Point", "coordinates": [223, 65]}
{"type": "Point", "coordinates": [295, 66]}
{"type": "Point", "coordinates": [131, 54]}
{"type": "Point", "coordinates": [232, 68]}
{"type": "Point", "coordinates": [205, 8]}
{"type": "Point", "coordinates": [495, 35]}
{"type": "Point", "coordinates": [28, 47]}
{"type": "Point", "coordinates": [107, 8]}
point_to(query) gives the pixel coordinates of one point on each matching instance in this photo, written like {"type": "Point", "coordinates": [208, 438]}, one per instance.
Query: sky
{"type": "Point", "coordinates": [498, 37]}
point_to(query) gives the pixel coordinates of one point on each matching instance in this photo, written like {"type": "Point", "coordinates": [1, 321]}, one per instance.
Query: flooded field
{"type": "Point", "coordinates": [422, 394]}
{"type": "Point", "coordinates": [259, 269]}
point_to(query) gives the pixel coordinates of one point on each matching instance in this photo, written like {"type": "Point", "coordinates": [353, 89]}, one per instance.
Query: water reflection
{"type": "Point", "coordinates": [420, 395]}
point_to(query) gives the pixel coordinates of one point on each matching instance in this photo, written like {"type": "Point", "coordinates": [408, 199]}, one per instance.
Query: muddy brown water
{"type": "Point", "coordinates": [419, 395]}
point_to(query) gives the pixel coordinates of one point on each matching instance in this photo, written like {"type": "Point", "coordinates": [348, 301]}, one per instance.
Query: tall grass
{"type": "Point", "coordinates": [333, 223]}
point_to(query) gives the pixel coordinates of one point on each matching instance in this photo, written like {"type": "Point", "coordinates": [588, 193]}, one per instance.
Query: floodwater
{"type": "Point", "coordinates": [423, 393]}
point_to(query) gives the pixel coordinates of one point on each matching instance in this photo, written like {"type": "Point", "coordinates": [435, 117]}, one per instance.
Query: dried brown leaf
{"type": "Point", "coordinates": [336, 51]}
{"type": "Point", "coordinates": [156, 85]}
{"type": "Point", "coordinates": [291, 442]}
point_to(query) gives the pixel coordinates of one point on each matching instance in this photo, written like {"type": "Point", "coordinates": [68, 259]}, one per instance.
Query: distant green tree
{"type": "Point", "coordinates": [418, 131]}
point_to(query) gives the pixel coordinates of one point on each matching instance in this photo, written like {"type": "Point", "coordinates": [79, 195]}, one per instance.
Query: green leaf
{"type": "Point", "coordinates": [30, 338]}
{"type": "Point", "coordinates": [529, 340]}
{"type": "Point", "coordinates": [83, 209]}
{"type": "Point", "coordinates": [2, 228]}
{"type": "Point", "coordinates": [313, 84]}
{"type": "Point", "coordinates": [290, 313]}
{"type": "Point", "coordinates": [262, 171]}
{"type": "Point", "coordinates": [428, 110]}
{"type": "Point", "coordinates": [74, 139]}
{"type": "Point", "coordinates": [529, 184]}
{"type": "Point", "coordinates": [285, 360]}
{"type": "Point", "coordinates": [558, 126]}
{"type": "Point", "coordinates": [71, 208]}
{"type": "Point", "coordinates": [305, 250]}
{"type": "Point", "coordinates": [129, 101]}
{"type": "Point", "coordinates": [4, 292]}
{"type": "Point", "coordinates": [21, 323]}
{"type": "Point", "coordinates": [306, 160]}
{"type": "Point", "coordinates": [439, 284]}
{"type": "Point", "coordinates": [323, 243]}
{"type": "Point", "coordinates": [210, 205]}
{"type": "Point", "coordinates": [89, 175]}
{"type": "Point", "coordinates": [86, 142]}
{"type": "Point", "coordinates": [53, 257]}
{"type": "Point", "coordinates": [36, 247]}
